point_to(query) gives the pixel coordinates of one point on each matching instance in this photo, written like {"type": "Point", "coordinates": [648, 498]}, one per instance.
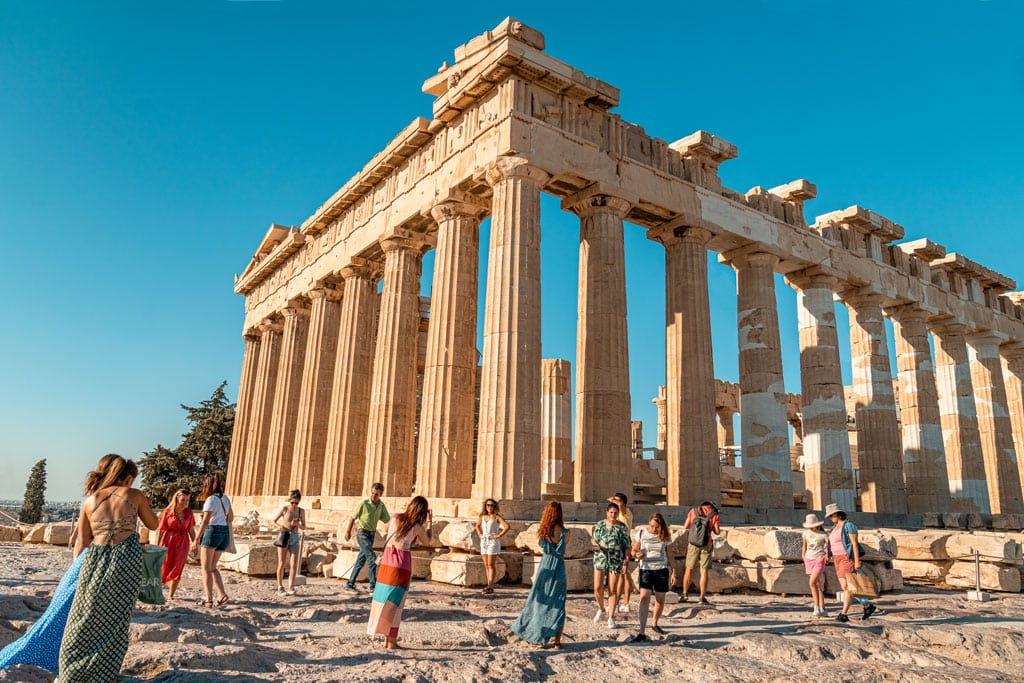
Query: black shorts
{"type": "Point", "coordinates": [654, 579]}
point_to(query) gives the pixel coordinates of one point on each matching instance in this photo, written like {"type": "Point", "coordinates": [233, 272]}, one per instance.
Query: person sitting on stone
{"type": "Point", "coordinates": [370, 512]}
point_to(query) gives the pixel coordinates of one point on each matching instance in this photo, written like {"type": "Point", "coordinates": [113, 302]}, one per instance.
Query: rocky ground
{"type": "Point", "coordinates": [456, 634]}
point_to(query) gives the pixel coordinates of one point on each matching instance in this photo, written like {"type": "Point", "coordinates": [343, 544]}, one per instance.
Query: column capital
{"type": "Point", "coordinates": [986, 336]}
{"type": "Point", "coordinates": [812, 278]}
{"type": "Point", "coordinates": [251, 335]}
{"type": "Point", "coordinates": [294, 310]}
{"type": "Point", "coordinates": [669, 233]}
{"type": "Point", "coordinates": [506, 167]}
{"type": "Point", "coordinates": [856, 298]}
{"type": "Point", "coordinates": [330, 292]}
{"type": "Point", "coordinates": [598, 199]}
{"type": "Point", "coordinates": [949, 326]}
{"type": "Point", "coordinates": [407, 241]}
{"type": "Point", "coordinates": [363, 268]}
{"type": "Point", "coordinates": [745, 256]}
{"type": "Point", "coordinates": [270, 325]}
{"type": "Point", "coordinates": [908, 313]}
{"type": "Point", "coordinates": [1012, 351]}
{"type": "Point", "coordinates": [455, 204]}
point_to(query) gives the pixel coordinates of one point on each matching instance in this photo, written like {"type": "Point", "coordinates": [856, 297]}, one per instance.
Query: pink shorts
{"type": "Point", "coordinates": [814, 566]}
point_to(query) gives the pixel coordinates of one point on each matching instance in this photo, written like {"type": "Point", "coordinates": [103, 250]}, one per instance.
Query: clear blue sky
{"type": "Point", "coordinates": [146, 147]}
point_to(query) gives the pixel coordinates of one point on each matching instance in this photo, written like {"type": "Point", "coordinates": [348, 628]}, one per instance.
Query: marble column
{"type": "Point", "coordinates": [1013, 374]}
{"type": "Point", "coordinates": [390, 430]}
{"type": "Point", "coordinates": [345, 455]}
{"type": "Point", "coordinates": [924, 455]}
{"type": "Point", "coordinates": [262, 407]}
{"type": "Point", "coordinates": [508, 442]}
{"type": "Point", "coordinates": [237, 460]}
{"type": "Point", "coordinates": [828, 473]}
{"type": "Point", "coordinates": [726, 432]}
{"type": "Point", "coordinates": [315, 398]}
{"type": "Point", "coordinates": [764, 431]}
{"type": "Point", "coordinates": [285, 413]}
{"type": "Point", "coordinates": [997, 448]}
{"type": "Point", "coordinates": [556, 427]}
{"type": "Point", "coordinates": [693, 472]}
{"type": "Point", "coordinates": [879, 456]}
{"type": "Point", "coordinates": [659, 404]}
{"type": "Point", "coordinates": [603, 452]}
{"type": "Point", "coordinates": [959, 417]}
{"type": "Point", "coordinates": [444, 463]}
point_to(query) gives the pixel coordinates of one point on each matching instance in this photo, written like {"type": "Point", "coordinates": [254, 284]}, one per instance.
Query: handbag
{"type": "Point", "coordinates": [281, 540]}
{"type": "Point", "coordinates": [150, 588]}
{"type": "Point", "coordinates": [861, 585]}
{"type": "Point", "coordinates": [231, 532]}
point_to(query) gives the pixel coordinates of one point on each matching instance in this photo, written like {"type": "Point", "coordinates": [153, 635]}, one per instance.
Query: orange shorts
{"type": "Point", "coordinates": [844, 566]}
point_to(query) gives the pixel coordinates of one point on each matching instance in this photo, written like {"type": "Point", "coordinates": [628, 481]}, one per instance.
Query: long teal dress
{"type": "Point", "coordinates": [544, 612]}
{"type": "Point", "coordinates": [40, 646]}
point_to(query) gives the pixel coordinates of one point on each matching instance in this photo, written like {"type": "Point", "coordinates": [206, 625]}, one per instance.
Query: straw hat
{"type": "Point", "coordinates": [813, 521]}
{"type": "Point", "coordinates": [832, 508]}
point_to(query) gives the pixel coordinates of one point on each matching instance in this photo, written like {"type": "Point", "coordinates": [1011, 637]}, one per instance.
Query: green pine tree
{"type": "Point", "coordinates": [204, 448]}
{"type": "Point", "coordinates": [35, 492]}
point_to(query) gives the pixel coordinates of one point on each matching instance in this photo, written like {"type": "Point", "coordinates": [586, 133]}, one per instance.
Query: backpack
{"type": "Point", "coordinates": [700, 530]}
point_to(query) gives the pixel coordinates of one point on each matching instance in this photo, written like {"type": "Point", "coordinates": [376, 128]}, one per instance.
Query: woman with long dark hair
{"type": "Point", "coordinates": [214, 535]}
{"type": "Point", "coordinates": [395, 571]}
{"type": "Point", "coordinates": [490, 526]}
{"type": "Point", "coordinates": [543, 615]}
{"type": "Point", "coordinates": [177, 531]}
{"type": "Point", "coordinates": [96, 636]}
{"type": "Point", "coordinates": [289, 520]}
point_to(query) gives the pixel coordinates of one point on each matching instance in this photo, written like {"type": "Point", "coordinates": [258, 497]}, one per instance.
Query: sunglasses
{"type": "Point", "coordinates": [293, 502]}
{"type": "Point", "coordinates": [488, 505]}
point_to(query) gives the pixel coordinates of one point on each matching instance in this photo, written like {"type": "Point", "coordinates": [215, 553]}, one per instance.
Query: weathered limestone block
{"type": "Point", "coordinates": [437, 528]}
{"type": "Point", "coordinates": [885, 578]}
{"type": "Point", "coordinates": [994, 577]}
{"type": "Point", "coordinates": [460, 535]}
{"type": "Point", "coordinates": [34, 534]}
{"type": "Point", "coordinates": [954, 520]}
{"type": "Point", "coordinates": [10, 534]}
{"type": "Point", "coordinates": [722, 577]}
{"type": "Point", "coordinates": [258, 558]}
{"type": "Point", "coordinates": [577, 543]}
{"type": "Point", "coordinates": [421, 560]}
{"type": "Point", "coordinates": [747, 542]}
{"type": "Point", "coordinates": [343, 563]}
{"type": "Point", "coordinates": [932, 519]}
{"type": "Point", "coordinates": [879, 546]}
{"type": "Point", "coordinates": [515, 527]}
{"type": "Point", "coordinates": [579, 573]}
{"type": "Point", "coordinates": [1002, 548]}
{"type": "Point", "coordinates": [463, 569]}
{"type": "Point", "coordinates": [921, 545]}
{"type": "Point", "coordinates": [784, 545]}
{"type": "Point", "coordinates": [1006, 522]}
{"type": "Point", "coordinates": [353, 543]}
{"type": "Point", "coordinates": [327, 570]}
{"type": "Point", "coordinates": [978, 520]}
{"type": "Point", "coordinates": [723, 551]}
{"type": "Point", "coordinates": [317, 560]}
{"type": "Point", "coordinates": [57, 534]}
{"type": "Point", "coordinates": [513, 566]}
{"type": "Point", "coordinates": [923, 570]}
{"type": "Point", "coordinates": [790, 579]}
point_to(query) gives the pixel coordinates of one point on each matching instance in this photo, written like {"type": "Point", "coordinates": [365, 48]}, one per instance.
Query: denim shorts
{"type": "Point", "coordinates": [216, 537]}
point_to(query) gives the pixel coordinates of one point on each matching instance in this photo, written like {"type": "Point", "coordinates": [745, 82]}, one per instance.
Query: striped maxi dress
{"type": "Point", "coordinates": [393, 576]}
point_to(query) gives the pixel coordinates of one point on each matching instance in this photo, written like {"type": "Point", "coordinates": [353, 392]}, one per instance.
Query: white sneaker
{"type": "Point", "coordinates": [289, 591]}
{"type": "Point", "coordinates": [822, 612]}
{"type": "Point", "coordinates": [611, 622]}
{"type": "Point", "coordinates": [625, 607]}
{"type": "Point", "coordinates": [599, 616]}
{"type": "Point", "coordinates": [816, 612]}
{"type": "Point", "coordinates": [280, 590]}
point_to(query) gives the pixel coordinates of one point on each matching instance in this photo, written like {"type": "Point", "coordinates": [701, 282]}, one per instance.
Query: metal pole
{"type": "Point", "coordinates": [977, 570]}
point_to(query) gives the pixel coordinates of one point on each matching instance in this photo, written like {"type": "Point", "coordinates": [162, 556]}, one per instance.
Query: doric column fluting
{"type": "Point", "coordinates": [556, 427]}
{"type": "Point", "coordinates": [996, 430]}
{"type": "Point", "coordinates": [345, 456]}
{"type": "Point", "coordinates": [444, 464]}
{"type": "Point", "coordinates": [959, 417]}
{"type": "Point", "coordinates": [315, 399]}
{"type": "Point", "coordinates": [879, 457]}
{"type": "Point", "coordinates": [285, 414]}
{"type": "Point", "coordinates": [764, 431]}
{"type": "Point", "coordinates": [1013, 374]}
{"type": "Point", "coordinates": [603, 443]}
{"type": "Point", "coordinates": [390, 433]}
{"type": "Point", "coordinates": [693, 471]}
{"type": "Point", "coordinates": [828, 473]}
{"type": "Point", "coordinates": [508, 442]}
{"type": "Point", "coordinates": [262, 407]}
{"type": "Point", "coordinates": [237, 460]}
{"type": "Point", "coordinates": [924, 455]}
{"type": "Point", "coordinates": [726, 432]}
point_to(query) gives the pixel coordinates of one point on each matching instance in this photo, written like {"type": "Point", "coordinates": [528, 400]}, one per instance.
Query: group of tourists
{"type": "Point", "coordinates": [83, 634]}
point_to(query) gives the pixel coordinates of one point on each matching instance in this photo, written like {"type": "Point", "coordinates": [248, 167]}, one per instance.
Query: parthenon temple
{"type": "Point", "coordinates": [350, 377]}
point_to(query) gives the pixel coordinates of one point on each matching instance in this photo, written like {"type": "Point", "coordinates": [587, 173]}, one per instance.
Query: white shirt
{"type": "Point", "coordinates": [213, 506]}
{"type": "Point", "coordinates": [653, 549]}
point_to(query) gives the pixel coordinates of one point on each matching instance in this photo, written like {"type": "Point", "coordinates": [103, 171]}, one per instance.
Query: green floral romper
{"type": "Point", "coordinates": [613, 543]}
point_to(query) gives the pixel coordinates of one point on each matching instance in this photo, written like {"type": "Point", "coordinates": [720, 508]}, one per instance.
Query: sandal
{"type": "Point", "coordinates": [204, 603]}
{"type": "Point", "coordinates": [223, 600]}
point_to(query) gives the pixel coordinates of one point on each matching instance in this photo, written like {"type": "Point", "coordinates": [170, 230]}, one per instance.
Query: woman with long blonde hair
{"type": "Point", "coordinates": [395, 571]}
{"type": "Point", "coordinates": [177, 530]}
{"type": "Point", "coordinates": [543, 615]}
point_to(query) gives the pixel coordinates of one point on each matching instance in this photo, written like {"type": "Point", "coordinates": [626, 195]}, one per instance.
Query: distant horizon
{"type": "Point", "coordinates": [149, 146]}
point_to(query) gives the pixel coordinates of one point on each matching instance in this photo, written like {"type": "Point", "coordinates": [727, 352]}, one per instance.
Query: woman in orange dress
{"type": "Point", "coordinates": [177, 530]}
